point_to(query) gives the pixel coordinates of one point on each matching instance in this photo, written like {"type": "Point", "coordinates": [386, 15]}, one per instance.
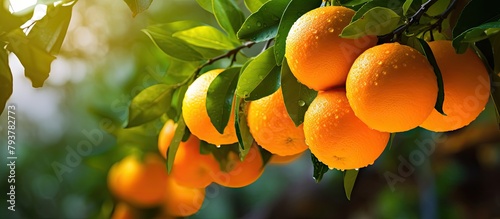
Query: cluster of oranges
{"type": "Point", "coordinates": [365, 92]}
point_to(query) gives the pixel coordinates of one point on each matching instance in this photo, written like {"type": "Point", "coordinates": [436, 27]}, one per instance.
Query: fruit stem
{"type": "Point", "coordinates": [413, 19]}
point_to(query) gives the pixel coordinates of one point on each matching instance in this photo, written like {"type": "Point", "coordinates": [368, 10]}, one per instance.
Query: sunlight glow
{"type": "Point", "coordinates": [19, 5]}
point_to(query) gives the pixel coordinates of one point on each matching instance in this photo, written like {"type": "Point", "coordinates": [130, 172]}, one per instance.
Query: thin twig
{"type": "Point", "coordinates": [443, 16]}
{"type": "Point", "coordinates": [413, 19]}
{"type": "Point", "coordinates": [231, 53]}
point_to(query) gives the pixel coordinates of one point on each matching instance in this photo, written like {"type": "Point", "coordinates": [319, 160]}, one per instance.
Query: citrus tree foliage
{"type": "Point", "coordinates": [195, 47]}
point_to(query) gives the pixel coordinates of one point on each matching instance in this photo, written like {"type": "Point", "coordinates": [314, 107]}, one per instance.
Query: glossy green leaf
{"type": "Point", "coordinates": [473, 35]}
{"type": "Point", "coordinates": [138, 6]}
{"type": "Point", "coordinates": [245, 138]}
{"type": "Point", "coordinates": [174, 144]}
{"type": "Point", "coordinates": [262, 68]}
{"type": "Point", "coordinates": [349, 180]}
{"type": "Point", "coordinates": [49, 32]}
{"type": "Point", "coordinates": [297, 96]}
{"type": "Point", "coordinates": [352, 3]}
{"type": "Point", "coordinates": [263, 24]}
{"type": "Point", "coordinates": [254, 5]}
{"type": "Point", "coordinates": [161, 35]}
{"type": "Point", "coordinates": [494, 73]}
{"type": "Point", "coordinates": [376, 21]}
{"type": "Point", "coordinates": [294, 10]}
{"type": "Point", "coordinates": [438, 8]}
{"type": "Point", "coordinates": [36, 61]}
{"type": "Point", "coordinates": [205, 4]}
{"type": "Point", "coordinates": [422, 46]}
{"type": "Point", "coordinates": [476, 13]}
{"type": "Point", "coordinates": [228, 15]}
{"type": "Point", "coordinates": [396, 6]}
{"type": "Point", "coordinates": [149, 104]}
{"type": "Point", "coordinates": [175, 110]}
{"type": "Point", "coordinates": [5, 79]}
{"type": "Point", "coordinates": [205, 36]}
{"type": "Point", "coordinates": [220, 97]}
{"type": "Point", "coordinates": [406, 6]}
{"type": "Point", "coordinates": [319, 168]}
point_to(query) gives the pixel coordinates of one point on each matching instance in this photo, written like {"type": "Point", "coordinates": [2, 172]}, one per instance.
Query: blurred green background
{"type": "Point", "coordinates": [106, 60]}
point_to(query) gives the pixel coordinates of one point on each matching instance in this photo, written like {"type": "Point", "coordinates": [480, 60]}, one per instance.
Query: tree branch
{"type": "Point", "coordinates": [231, 53]}
{"type": "Point", "coordinates": [413, 19]}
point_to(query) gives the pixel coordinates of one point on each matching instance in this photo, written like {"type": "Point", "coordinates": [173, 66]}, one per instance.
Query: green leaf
{"type": "Point", "coordinates": [254, 5]}
{"type": "Point", "coordinates": [220, 97]}
{"type": "Point", "coordinates": [495, 72]}
{"type": "Point", "coordinates": [376, 21]}
{"type": "Point", "coordinates": [206, 4]}
{"type": "Point", "coordinates": [438, 8]}
{"type": "Point", "coordinates": [423, 47]}
{"type": "Point", "coordinates": [297, 96]}
{"type": "Point", "coordinates": [49, 32]}
{"type": "Point", "coordinates": [138, 6]}
{"type": "Point", "coordinates": [207, 37]}
{"type": "Point", "coordinates": [349, 180]}
{"type": "Point", "coordinates": [161, 35]}
{"type": "Point", "coordinates": [36, 60]}
{"type": "Point", "coordinates": [245, 138]}
{"type": "Point", "coordinates": [395, 6]}
{"type": "Point", "coordinates": [406, 6]}
{"type": "Point", "coordinates": [352, 3]}
{"type": "Point", "coordinates": [175, 110]}
{"type": "Point", "coordinates": [174, 144]}
{"type": "Point", "coordinates": [262, 69]}
{"type": "Point", "coordinates": [10, 21]}
{"type": "Point", "coordinates": [473, 35]}
{"type": "Point", "coordinates": [319, 168]}
{"type": "Point", "coordinates": [263, 24]}
{"type": "Point", "coordinates": [228, 15]}
{"type": "Point", "coordinates": [5, 79]}
{"type": "Point", "coordinates": [149, 104]}
{"type": "Point", "coordinates": [294, 10]}
{"type": "Point", "coordinates": [476, 13]}
{"type": "Point", "coordinates": [178, 72]}
{"type": "Point", "coordinates": [266, 155]}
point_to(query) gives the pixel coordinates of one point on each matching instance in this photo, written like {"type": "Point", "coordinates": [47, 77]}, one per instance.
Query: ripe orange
{"type": "Point", "coordinates": [165, 137]}
{"type": "Point", "coordinates": [392, 87]}
{"type": "Point", "coordinates": [182, 201]}
{"type": "Point", "coordinates": [123, 211]}
{"type": "Point", "coordinates": [272, 127]}
{"type": "Point", "coordinates": [195, 114]}
{"type": "Point", "coordinates": [466, 88]}
{"type": "Point", "coordinates": [337, 137]}
{"type": "Point", "coordinates": [241, 173]}
{"type": "Point", "coordinates": [192, 169]}
{"type": "Point", "coordinates": [277, 159]}
{"type": "Point", "coordinates": [317, 56]}
{"type": "Point", "coordinates": [139, 183]}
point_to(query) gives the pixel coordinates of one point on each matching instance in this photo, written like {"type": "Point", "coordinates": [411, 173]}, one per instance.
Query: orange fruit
{"type": "Point", "coordinates": [466, 88]}
{"type": "Point", "coordinates": [139, 183]}
{"type": "Point", "coordinates": [277, 159]}
{"type": "Point", "coordinates": [272, 127]}
{"type": "Point", "coordinates": [195, 114]}
{"type": "Point", "coordinates": [241, 173]}
{"type": "Point", "coordinates": [337, 137]}
{"type": "Point", "coordinates": [165, 137]}
{"type": "Point", "coordinates": [392, 87]}
{"type": "Point", "coordinates": [182, 201]}
{"type": "Point", "coordinates": [316, 55]}
{"type": "Point", "coordinates": [191, 168]}
{"type": "Point", "coordinates": [123, 211]}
